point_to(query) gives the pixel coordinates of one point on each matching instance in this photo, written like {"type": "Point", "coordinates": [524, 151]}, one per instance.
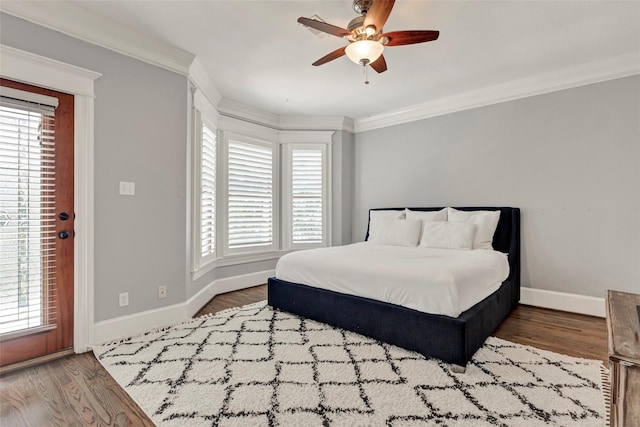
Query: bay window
{"type": "Point", "coordinates": [256, 191]}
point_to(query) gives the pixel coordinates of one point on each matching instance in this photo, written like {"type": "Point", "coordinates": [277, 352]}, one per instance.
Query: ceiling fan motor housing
{"type": "Point", "coordinates": [355, 23]}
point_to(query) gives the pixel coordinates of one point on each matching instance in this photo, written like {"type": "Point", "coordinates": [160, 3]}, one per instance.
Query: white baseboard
{"type": "Point", "coordinates": [134, 324]}
{"type": "Point", "coordinates": [572, 303]}
{"type": "Point", "coordinates": [126, 326]}
{"type": "Point", "coordinates": [229, 284]}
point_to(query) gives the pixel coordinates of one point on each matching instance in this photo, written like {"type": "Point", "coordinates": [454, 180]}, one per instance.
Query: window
{"type": "Point", "coordinates": [259, 191]}
{"type": "Point", "coordinates": [208, 192]}
{"type": "Point", "coordinates": [250, 195]}
{"type": "Point", "coordinates": [205, 154]}
{"type": "Point", "coordinates": [27, 213]}
{"type": "Point", "coordinates": [306, 203]}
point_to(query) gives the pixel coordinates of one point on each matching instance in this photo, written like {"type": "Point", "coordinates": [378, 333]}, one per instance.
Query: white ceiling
{"type": "Point", "coordinates": [257, 54]}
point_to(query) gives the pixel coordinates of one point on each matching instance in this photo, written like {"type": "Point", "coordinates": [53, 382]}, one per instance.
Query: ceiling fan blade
{"type": "Point", "coordinates": [380, 65]}
{"type": "Point", "coordinates": [378, 14]}
{"type": "Point", "coordinates": [324, 27]}
{"type": "Point", "coordinates": [399, 38]}
{"type": "Point", "coordinates": [330, 57]}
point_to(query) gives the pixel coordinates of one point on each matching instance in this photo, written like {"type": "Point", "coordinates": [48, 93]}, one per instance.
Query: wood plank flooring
{"type": "Point", "coordinates": [77, 391]}
{"type": "Point", "coordinates": [572, 334]}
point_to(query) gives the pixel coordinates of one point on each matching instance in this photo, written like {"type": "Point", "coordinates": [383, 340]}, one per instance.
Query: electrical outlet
{"type": "Point", "coordinates": [162, 292]}
{"type": "Point", "coordinates": [124, 299]}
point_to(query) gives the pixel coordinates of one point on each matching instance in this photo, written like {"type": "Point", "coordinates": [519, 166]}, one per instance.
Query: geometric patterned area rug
{"type": "Point", "coordinates": [255, 366]}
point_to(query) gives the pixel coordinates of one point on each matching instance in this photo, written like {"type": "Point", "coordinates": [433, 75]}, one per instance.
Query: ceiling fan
{"type": "Point", "coordinates": [365, 36]}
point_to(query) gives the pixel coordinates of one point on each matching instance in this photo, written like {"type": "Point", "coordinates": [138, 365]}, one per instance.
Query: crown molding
{"type": "Point", "coordinates": [201, 79]}
{"type": "Point", "coordinates": [593, 72]}
{"type": "Point", "coordinates": [317, 123]}
{"type": "Point", "coordinates": [248, 113]}
{"type": "Point", "coordinates": [237, 110]}
{"type": "Point", "coordinates": [305, 137]}
{"type": "Point", "coordinates": [74, 21]}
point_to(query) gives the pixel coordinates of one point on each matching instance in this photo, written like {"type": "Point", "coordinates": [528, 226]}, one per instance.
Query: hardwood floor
{"type": "Point", "coordinates": [77, 391]}
{"type": "Point", "coordinates": [234, 299]}
{"type": "Point", "coordinates": [572, 334]}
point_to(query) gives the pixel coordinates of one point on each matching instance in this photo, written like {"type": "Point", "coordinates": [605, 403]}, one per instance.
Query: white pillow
{"type": "Point", "coordinates": [396, 232]}
{"type": "Point", "coordinates": [387, 214]}
{"type": "Point", "coordinates": [485, 222]}
{"type": "Point", "coordinates": [383, 214]}
{"type": "Point", "coordinates": [447, 235]}
{"type": "Point", "coordinates": [427, 216]}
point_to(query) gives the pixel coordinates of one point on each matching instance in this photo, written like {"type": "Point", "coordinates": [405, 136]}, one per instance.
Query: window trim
{"type": "Point", "coordinates": [203, 113]}
{"type": "Point", "coordinates": [254, 251]}
{"type": "Point", "coordinates": [287, 196]}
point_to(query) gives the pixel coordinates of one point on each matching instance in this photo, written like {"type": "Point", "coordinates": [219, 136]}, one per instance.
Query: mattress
{"type": "Point", "coordinates": [435, 281]}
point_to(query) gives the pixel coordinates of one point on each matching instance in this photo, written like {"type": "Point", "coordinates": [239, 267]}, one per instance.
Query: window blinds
{"type": "Point", "coordinates": [307, 196]}
{"type": "Point", "coordinates": [250, 195]}
{"type": "Point", "coordinates": [27, 214]}
{"type": "Point", "coordinates": [208, 192]}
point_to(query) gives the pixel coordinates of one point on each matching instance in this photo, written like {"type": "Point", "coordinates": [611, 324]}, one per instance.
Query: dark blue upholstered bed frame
{"type": "Point", "coordinates": [453, 340]}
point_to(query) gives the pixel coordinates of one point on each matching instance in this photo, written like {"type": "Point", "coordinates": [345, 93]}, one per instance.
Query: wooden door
{"type": "Point", "coordinates": [36, 223]}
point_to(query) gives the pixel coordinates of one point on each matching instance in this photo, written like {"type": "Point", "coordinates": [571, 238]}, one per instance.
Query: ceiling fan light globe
{"type": "Point", "coordinates": [368, 50]}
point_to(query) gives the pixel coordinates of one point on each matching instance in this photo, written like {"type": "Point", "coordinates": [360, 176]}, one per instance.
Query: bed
{"type": "Point", "coordinates": [451, 339]}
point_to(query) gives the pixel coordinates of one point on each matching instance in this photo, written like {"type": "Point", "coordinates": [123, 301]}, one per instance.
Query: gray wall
{"type": "Point", "coordinates": [342, 187]}
{"type": "Point", "coordinates": [140, 136]}
{"type": "Point", "coordinates": [570, 160]}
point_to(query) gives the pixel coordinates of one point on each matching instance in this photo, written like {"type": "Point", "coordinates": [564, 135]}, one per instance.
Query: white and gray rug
{"type": "Point", "coordinates": [256, 366]}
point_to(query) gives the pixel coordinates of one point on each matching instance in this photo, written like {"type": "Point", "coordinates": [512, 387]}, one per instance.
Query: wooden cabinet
{"type": "Point", "coordinates": [623, 334]}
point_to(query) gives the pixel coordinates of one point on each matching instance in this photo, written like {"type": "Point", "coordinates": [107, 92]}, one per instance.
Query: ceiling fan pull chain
{"type": "Point", "coordinates": [366, 74]}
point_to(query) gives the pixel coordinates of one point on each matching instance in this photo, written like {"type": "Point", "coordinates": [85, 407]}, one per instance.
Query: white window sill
{"type": "Point", "coordinates": [235, 259]}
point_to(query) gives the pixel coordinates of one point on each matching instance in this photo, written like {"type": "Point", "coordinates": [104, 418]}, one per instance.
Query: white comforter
{"type": "Point", "coordinates": [436, 281]}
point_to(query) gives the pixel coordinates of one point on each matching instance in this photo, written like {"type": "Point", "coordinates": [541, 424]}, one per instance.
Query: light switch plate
{"type": "Point", "coordinates": [127, 188]}
{"type": "Point", "coordinates": [123, 299]}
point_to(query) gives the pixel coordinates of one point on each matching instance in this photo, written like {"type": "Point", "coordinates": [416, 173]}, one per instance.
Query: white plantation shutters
{"type": "Point", "coordinates": [307, 196]}
{"type": "Point", "coordinates": [205, 248]}
{"type": "Point", "coordinates": [250, 196]}
{"type": "Point", "coordinates": [208, 192]}
{"type": "Point", "coordinates": [27, 212]}
{"type": "Point", "coordinates": [273, 192]}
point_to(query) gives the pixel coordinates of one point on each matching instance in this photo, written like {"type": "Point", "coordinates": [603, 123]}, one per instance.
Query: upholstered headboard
{"type": "Point", "coordinates": [506, 238]}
